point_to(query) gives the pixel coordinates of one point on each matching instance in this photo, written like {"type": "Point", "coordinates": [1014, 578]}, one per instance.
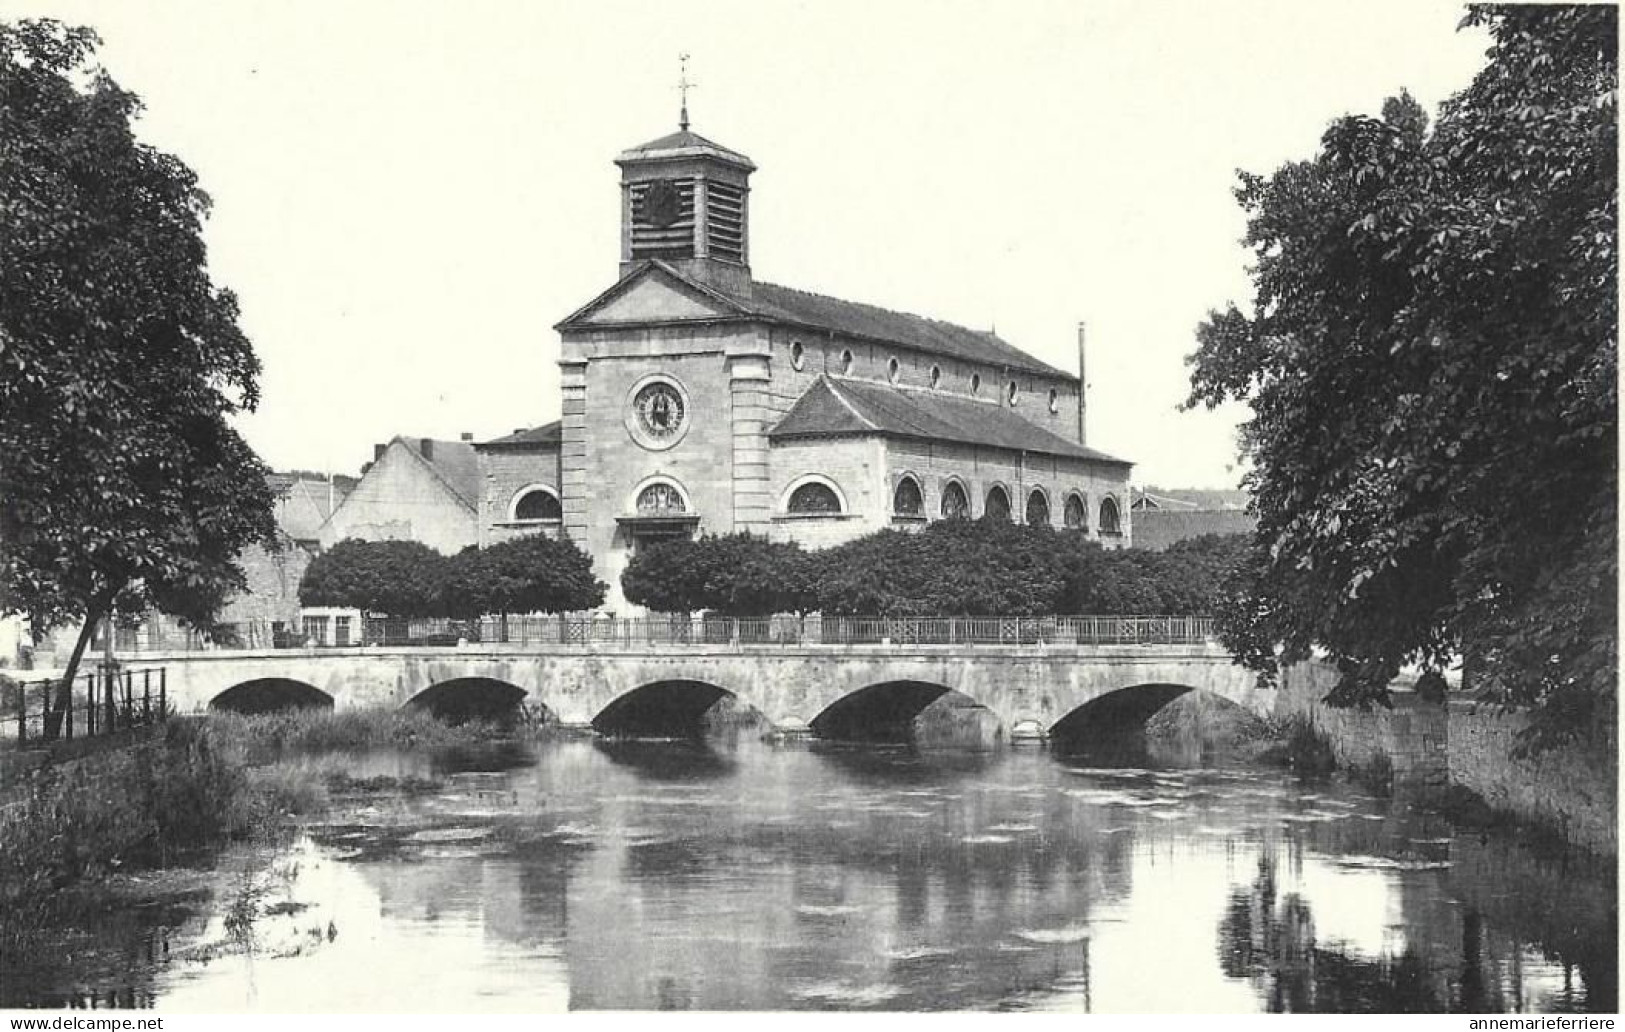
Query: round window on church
{"type": "Point", "coordinates": [893, 370]}
{"type": "Point", "coordinates": [657, 412]}
{"type": "Point", "coordinates": [798, 356]}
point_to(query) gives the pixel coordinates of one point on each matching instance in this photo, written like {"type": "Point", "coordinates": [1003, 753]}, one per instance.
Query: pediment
{"type": "Point", "coordinates": [652, 295]}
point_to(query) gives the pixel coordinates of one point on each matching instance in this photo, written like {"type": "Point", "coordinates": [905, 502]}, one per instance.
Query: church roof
{"type": "Point", "coordinates": [839, 407]}
{"type": "Point", "coordinates": [455, 462]}
{"type": "Point", "coordinates": [821, 313]}
{"type": "Point", "coordinates": [549, 434]}
{"type": "Point", "coordinates": [683, 144]}
{"type": "Point", "coordinates": [817, 311]}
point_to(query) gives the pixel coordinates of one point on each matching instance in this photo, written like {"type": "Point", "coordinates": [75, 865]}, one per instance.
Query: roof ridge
{"type": "Point", "coordinates": [829, 383]}
{"type": "Point", "coordinates": [883, 308]}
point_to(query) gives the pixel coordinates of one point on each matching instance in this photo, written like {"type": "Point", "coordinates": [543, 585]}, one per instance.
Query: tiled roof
{"type": "Point", "coordinates": [457, 464]}
{"type": "Point", "coordinates": [549, 434]}
{"type": "Point", "coordinates": [835, 407]}
{"type": "Point", "coordinates": [1157, 529]}
{"type": "Point", "coordinates": [785, 304]}
{"type": "Point", "coordinates": [683, 142]}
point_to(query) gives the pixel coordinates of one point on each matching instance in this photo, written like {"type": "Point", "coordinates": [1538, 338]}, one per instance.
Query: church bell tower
{"type": "Point", "coordinates": [685, 201]}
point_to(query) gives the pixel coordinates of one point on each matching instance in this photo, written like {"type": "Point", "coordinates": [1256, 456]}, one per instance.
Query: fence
{"type": "Point", "coordinates": [846, 630]}
{"type": "Point", "coordinates": [99, 703]}
{"type": "Point", "coordinates": [683, 629]}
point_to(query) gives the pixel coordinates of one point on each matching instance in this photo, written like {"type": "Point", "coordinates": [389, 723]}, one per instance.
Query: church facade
{"type": "Point", "coordinates": [699, 399]}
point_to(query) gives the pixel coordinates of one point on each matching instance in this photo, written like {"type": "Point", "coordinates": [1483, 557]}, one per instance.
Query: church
{"type": "Point", "coordinates": [698, 399]}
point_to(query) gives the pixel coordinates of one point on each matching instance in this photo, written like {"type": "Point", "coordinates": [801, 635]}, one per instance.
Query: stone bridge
{"type": "Point", "coordinates": [1030, 689]}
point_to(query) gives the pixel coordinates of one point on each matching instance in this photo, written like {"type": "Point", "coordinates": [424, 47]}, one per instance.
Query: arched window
{"type": "Point", "coordinates": [1037, 509]}
{"type": "Point", "coordinates": [936, 375]}
{"type": "Point", "coordinates": [976, 383]}
{"type": "Point", "coordinates": [1012, 390]}
{"type": "Point", "coordinates": [798, 355]}
{"type": "Point", "coordinates": [998, 504]}
{"type": "Point", "coordinates": [537, 503]}
{"type": "Point", "coordinates": [893, 370]}
{"type": "Point", "coordinates": [1054, 400]}
{"type": "Point", "coordinates": [814, 499]}
{"type": "Point", "coordinates": [1076, 514]}
{"type": "Point", "coordinates": [660, 500]}
{"type": "Point", "coordinates": [1108, 517]}
{"type": "Point", "coordinates": [846, 362]}
{"type": "Point", "coordinates": [906, 500]}
{"type": "Point", "coordinates": [955, 506]}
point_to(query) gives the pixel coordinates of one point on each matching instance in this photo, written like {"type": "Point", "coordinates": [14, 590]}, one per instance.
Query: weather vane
{"type": "Point", "coordinates": [683, 86]}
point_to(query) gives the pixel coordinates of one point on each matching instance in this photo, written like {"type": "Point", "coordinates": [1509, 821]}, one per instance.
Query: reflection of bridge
{"type": "Point", "coordinates": [1028, 687]}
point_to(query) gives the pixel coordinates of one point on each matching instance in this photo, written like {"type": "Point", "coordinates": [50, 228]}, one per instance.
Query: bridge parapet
{"type": "Point", "coordinates": [790, 684]}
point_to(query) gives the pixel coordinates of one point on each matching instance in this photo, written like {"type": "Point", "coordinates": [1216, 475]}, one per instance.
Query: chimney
{"type": "Point", "coordinates": [1083, 386]}
{"type": "Point", "coordinates": [378, 451]}
{"type": "Point", "coordinates": [426, 448]}
{"type": "Point", "coordinates": [466, 436]}
{"type": "Point", "coordinates": [520, 429]}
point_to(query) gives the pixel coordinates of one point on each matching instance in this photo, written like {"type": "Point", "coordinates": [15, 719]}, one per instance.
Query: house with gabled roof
{"type": "Point", "coordinates": [697, 398]}
{"type": "Point", "coordinates": [415, 489]}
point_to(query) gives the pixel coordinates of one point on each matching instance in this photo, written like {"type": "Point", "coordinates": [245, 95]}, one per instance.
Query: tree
{"type": "Point", "coordinates": [399, 578]}
{"type": "Point", "coordinates": [123, 486]}
{"type": "Point", "coordinates": [729, 574]}
{"type": "Point", "coordinates": [533, 574]}
{"type": "Point", "coordinates": [1431, 361]}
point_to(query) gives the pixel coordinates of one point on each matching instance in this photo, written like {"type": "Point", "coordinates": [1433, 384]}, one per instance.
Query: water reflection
{"type": "Point", "coordinates": [593, 875]}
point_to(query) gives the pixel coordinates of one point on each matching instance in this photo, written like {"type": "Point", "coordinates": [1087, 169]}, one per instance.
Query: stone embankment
{"type": "Point", "coordinates": [1433, 747]}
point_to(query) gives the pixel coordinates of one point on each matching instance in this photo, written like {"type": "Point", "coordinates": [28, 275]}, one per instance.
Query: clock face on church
{"type": "Point", "coordinates": [659, 411]}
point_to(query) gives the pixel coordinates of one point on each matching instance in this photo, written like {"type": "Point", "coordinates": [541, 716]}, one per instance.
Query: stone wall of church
{"type": "Point", "coordinates": [935, 465]}
{"type": "Point", "coordinates": [855, 466]}
{"type": "Point", "coordinates": [604, 467]}
{"type": "Point", "coordinates": [823, 354]}
{"type": "Point", "coordinates": [505, 474]}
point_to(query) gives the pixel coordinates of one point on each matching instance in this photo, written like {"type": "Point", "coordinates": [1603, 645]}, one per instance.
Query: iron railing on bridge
{"type": "Point", "coordinates": [99, 703]}
{"type": "Point", "coordinates": [683, 629]}
{"type": "Point", "coordinates": [848, 630]}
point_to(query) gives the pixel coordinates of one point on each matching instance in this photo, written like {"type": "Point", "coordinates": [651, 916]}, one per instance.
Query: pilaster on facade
{"type": "Point", "coordinates": [574, 488]}
{"type": "Point", "coordinates": [751, 415]}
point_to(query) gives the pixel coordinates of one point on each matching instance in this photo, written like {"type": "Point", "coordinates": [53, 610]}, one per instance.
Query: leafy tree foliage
{"type": "Point", "coordinates": [122, 484]}
{"type": "Point", "coordinates": [951, 567]}
{"type": "Point", "coordinates": [1431, 360]}
{"type": "Point", "coordinates": [532, 574]}
{"type": "Point", "coordinates": [728, 574]}
{"type": "Point", "coordinates": [957, 567]}
{"type": "Point", "coordinates": [400, 578]}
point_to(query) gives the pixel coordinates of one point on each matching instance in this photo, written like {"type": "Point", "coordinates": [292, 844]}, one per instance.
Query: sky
{"type": "Point", "coordinates": [408, 195]}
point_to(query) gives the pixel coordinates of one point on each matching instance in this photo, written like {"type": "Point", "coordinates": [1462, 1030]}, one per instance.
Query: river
{"type": "Point", "coordinates": [586, 874]}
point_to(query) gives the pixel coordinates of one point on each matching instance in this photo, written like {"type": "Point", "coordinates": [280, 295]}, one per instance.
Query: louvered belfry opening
{"type": "Point", "coordinates": [685, 200]}
{"type": "Point", "coordinates": [725, 220]}
{"type": "Point", "coordinates": [663, 219]}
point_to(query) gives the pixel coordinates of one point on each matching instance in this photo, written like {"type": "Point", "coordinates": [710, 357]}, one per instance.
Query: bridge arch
{"type": "Point", "coordinates": [1108, 721]}
{"type": "Point", "coordinates": [461, 699]}
{"type": "Point", "coordinates": [270, 695]}
{"type": "Point", "coordinates": [676, 708]}
{"type": "Point", "coordinates": [908, 711]}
